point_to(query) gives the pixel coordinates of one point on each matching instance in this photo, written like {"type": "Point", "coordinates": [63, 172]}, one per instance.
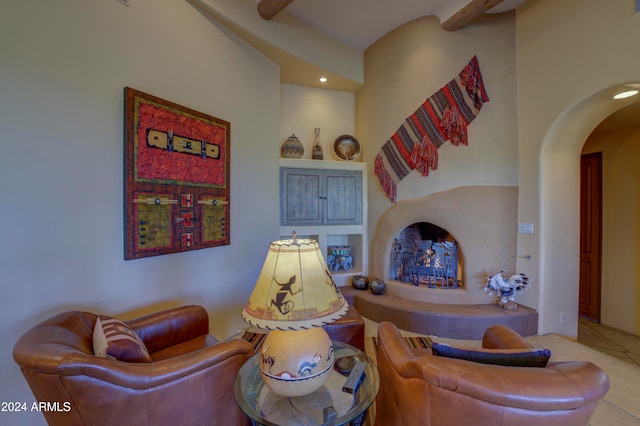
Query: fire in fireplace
{"type": "Point", "coordinates": [425, 254]}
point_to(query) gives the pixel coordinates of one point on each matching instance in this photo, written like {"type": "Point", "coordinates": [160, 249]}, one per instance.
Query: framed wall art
{"type": "Point", "coordinates": [176, 174]}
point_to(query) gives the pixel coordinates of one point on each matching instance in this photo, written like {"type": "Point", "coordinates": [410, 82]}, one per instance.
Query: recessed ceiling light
{"type": "Point", "coordinates": [625, 94]}
{"type": "Point", "coordinates": [323, 79]}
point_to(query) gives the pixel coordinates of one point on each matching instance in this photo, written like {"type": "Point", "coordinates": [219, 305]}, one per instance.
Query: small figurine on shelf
{"type": "Point", "coordinates": [506, 288]}
{"type": "Point", "coordinates": [317, 147]}
{"type": "Point", "coordinates": [339, 258]}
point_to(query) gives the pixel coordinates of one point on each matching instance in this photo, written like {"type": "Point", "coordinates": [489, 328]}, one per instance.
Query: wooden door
{"type": "Point", "coordinates": [590, 235]}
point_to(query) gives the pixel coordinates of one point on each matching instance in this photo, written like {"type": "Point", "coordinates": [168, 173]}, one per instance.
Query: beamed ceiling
{"type": "Point", "coordinates": [353, 24]}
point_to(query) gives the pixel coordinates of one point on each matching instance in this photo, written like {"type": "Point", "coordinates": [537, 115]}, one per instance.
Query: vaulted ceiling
{"type": "Point", "coordinates": [359, 23]}
{"type": "Point", "coordinates": [343, 30]}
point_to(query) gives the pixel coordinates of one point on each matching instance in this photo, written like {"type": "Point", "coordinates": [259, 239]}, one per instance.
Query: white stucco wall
{"type": "Point", "coordinates": [63, 69]}
{"type": "Point", "coordinates": [304, 108]}
{"type": "Point", "coordinates": [410, 64]}
{"type": "Point", "coordinates": [572, 55]}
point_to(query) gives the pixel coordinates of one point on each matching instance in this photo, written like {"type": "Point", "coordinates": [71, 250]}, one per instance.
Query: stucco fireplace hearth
{"type": "Point", "coordinates": [482, 220]}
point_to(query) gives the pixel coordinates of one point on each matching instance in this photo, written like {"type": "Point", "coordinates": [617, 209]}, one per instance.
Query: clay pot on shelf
{"type": "Point", "coordinates": [292, 147]}
{"type": "Point", "coordinates": [376, 286]}
{"type": "Point", "coordinates": [360, 282]}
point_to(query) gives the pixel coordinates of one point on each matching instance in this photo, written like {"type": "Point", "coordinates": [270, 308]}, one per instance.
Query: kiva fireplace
{"type": "Point", "coordinates": [441, 248]}
{"type": "Point", "coordinates": [424, 254]}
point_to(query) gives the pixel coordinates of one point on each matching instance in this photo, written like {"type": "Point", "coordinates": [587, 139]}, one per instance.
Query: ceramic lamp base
{"type": "Point", "coordinates": [296, 362]}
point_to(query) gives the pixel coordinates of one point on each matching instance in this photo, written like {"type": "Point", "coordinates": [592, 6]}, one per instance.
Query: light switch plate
{"type": "Point", "coordinates": [525, 228]}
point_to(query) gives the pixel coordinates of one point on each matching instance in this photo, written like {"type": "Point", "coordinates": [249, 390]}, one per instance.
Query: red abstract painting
{"type": "Point", "coordinates": [176, 177]}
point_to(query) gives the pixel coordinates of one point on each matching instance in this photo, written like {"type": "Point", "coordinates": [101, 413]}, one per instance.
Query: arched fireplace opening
{"type": "Point", "coordinates": [424, 254]}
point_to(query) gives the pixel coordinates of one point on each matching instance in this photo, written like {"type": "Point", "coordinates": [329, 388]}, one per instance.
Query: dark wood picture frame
{"type": "Point", "coordinates": [176, 174]}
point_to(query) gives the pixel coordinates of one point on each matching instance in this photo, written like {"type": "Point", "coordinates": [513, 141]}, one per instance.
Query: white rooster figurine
{"type": "Point", "coordinates": [505, 288]}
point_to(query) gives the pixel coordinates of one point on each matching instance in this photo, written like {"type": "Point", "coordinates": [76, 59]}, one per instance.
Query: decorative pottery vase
{"type": "Point", "coordinates": [292, 147]}
{"type": "Point", "coordinates": [316, 154]}
{"type": "Point", "coordinates": [360, 282]}
{"type": "Point", "coordinates": [296, 362]}
{"type": "Point", "coordinates": [376, 286]}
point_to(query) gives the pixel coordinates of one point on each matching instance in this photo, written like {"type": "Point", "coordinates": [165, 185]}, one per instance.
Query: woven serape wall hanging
{"type": "Point", "coordinates": [444, 116]}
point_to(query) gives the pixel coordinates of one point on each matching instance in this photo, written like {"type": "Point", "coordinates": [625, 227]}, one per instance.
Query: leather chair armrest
{"type": "Point", "coordinates": [148, 375]}
{"type": "Point", "coordinates": [502, 337]}
{"type": "Point", "coordinates": [531, 388]}
{"type": "Point", "coordinates": [167, 328]}
{"type": "Point", "coordinates": [396, 349]}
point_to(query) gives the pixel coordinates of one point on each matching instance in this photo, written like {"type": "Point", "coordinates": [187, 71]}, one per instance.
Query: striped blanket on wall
{"type": "Point", "coordinates": [444, 116]}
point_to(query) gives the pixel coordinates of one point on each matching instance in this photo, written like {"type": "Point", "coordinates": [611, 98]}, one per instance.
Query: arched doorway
{"type": "Point", "coordinates": [616, 142]}
{"type": "Point", "coordinates": [560, 205]}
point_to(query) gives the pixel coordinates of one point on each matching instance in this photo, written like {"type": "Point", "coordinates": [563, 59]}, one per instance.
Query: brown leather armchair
{"type": "Point", "coordinates": [348, 329]}
{"type": "Point", "coordinates": [189, 381]}
{"type": "Point", "coordinates": [417, 388]}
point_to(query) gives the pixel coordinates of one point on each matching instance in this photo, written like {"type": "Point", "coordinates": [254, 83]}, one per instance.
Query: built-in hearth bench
{"type": "Point", "coordinates": [454, 321]}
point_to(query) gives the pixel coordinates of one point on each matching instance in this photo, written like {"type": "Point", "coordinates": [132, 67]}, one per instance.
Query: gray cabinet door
{"type": "Point", "coordinates": [300, 197]}
{"type": "Point", "coordinates": [320, 197]}
{"type": "Point", "coordinates": [342, 200]}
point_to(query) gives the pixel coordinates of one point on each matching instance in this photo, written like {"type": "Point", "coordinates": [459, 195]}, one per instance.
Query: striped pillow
{"type": "Point", "coordinates": [113, 338]}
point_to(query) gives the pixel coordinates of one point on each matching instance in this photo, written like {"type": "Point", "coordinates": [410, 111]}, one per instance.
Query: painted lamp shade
{"type": "Point", "coordinates": [294, 297]}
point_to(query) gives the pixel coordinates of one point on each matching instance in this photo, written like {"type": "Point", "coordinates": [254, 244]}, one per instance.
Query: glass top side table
{"type": "Point", "coordinates": [328, 406]}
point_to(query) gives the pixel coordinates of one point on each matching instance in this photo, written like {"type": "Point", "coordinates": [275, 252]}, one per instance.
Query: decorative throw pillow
{"type": "Point", "coordinates": [508, 357]}
{"type": "Point", "coordinates": [113, 338]}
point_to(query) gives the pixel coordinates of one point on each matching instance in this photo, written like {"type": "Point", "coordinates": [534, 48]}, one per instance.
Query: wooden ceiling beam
{"type": "Point", "coordinates": [270, 8]}
{"type": "Point", "coordinates": [468, 14]}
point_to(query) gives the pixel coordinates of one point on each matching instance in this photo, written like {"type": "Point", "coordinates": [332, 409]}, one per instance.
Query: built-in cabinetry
{"type": "Point", "coordinates": [320, 197]}
{"type": "Point", "coordinates": [326, 201]}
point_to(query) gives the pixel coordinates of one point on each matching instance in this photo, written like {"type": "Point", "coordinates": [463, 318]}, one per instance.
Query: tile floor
{"type": "Point", "coordinates": [613, 342]}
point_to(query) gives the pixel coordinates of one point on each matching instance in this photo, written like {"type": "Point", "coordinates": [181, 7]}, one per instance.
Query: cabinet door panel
{"type": "Point", "coordinates": [343, 202]}
{"type": "Point", "coordinates": [301, 197]}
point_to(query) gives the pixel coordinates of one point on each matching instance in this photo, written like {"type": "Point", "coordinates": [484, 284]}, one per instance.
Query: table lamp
{"type": "Point", "coordinates": [293, 298]}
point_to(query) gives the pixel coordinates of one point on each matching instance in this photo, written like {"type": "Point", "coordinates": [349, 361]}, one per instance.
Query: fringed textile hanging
{"type": "Point", "coordinates": [444, 116]}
